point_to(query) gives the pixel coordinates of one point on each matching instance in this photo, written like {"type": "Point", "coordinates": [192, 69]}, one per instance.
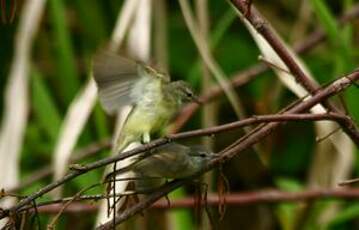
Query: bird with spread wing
{"type": "Point", "coordinates": [155, 99]}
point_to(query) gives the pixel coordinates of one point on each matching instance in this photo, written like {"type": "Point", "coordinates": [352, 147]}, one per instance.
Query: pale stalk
{"type": "Point", "coordinates": [210, 110]}
{"type": "Point", "coordinates": [334, 157]}
{"type": "Point", "coordinates": [213, 67]}
{"type": "Point", "coordinates": [82, 106]}
{"type": "Point", "coordinates": [161, 38]}
{"type": "Point", "coordinates": [14, 119]}
{"type": "Point", "coordinates": [139, 48]}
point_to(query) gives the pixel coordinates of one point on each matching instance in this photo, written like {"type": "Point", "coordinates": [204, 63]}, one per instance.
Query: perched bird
{"type": "Point", "coordinates": [170, 161]}
{"type": "Point", "coordinates": [155, 99]}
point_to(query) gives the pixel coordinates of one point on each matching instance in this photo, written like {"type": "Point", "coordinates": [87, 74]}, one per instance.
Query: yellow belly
{"type": "Point", "coordinates": [145, 120]}
{"type": "Point", "coordinates": [149, 120]}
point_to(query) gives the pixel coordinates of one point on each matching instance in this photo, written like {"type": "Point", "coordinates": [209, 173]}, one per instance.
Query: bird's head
{"type": "Point", "coordinates": [201, 155]}
{"type": "Point", "coordinates": [183, 92]}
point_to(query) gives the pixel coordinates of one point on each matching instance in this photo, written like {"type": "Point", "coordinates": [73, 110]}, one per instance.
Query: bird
{"type": "Point", "coordinates": [154, 98]}
{"type": "Point", "coordinates": [170, 161]}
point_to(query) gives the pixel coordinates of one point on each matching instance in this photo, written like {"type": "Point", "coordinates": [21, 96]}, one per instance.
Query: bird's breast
{"type": "Point", "coordinates": [152, 112]}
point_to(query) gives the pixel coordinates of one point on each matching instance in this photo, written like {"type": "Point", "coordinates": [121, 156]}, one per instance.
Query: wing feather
{"type": "Point", "coordinates": [115, 77]}
{"type": "Point", "coordinates": [122, 81]}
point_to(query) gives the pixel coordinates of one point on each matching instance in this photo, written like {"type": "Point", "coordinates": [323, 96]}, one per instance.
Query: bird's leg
{"type": "Point", "coordinates": [146, 138]}
{"type": "Point", "coordinates": [167, 198]}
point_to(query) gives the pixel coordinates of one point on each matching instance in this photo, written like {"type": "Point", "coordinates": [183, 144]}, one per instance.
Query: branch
{"type": "Point", "coordinates": [245, 142]}
{"type": "Point", "coordinates": [78, 155]}
{"type": "Point", "coordinates": [184, 135]}
{"type": "Point", "coordinates": [237, 80]}
{"type": "Point", "coordinates": [276, 43]}
{"type": "Point", "coordinates": [233, 199]}
{"type": "Point", "coordinates": [242, 78]}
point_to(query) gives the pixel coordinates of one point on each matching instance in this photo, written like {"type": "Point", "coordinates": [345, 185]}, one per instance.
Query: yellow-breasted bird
{"type": "Point", "coordinates": [155, 99]}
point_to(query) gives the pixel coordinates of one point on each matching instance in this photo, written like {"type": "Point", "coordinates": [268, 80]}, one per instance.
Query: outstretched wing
{"type": "Point", "coordinates": [122, 81]}
{"type": "Point", "coordinates": [115, 77]}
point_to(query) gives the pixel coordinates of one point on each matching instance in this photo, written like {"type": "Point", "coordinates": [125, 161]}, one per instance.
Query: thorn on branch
{"type": "Point", "coordinates": [77, 167]}
{"type": "Point", "coordinates": [349, 182]}
{"type": "Point", "coordinates": [248, 10]}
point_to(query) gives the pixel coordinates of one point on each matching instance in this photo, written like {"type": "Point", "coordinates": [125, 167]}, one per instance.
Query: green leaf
{"type": "Point", "coordinates": [340, 46]}
{"type": "Point", "coordinates": [286, 212]}
{"type": "Point", "coordinates": [345, 215]}
{"type": "Point", "coordinates": [181, 219]}
{"type": "Point", "coordinates": [92, 21]}
{"type": "Point", "coordinates": [216, 36]}
{"type": "Point", "coordinates": [66, 68]}
{"type": "Point", "coordinates": [101, 122]}
{"type": "Point", "coordinates": [44, 106]}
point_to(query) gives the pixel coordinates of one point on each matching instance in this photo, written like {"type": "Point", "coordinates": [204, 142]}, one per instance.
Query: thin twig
{"type": "Point", "coordinates": [243, 77]}
{"type": "Point", "coordinates": [263, 28]}
{"type": "Point", "coordinates": [208, 59]}
{"type": "Point", "coordinates": [16, 98]}
{"type": "Point", "coordinates": [320, 139]}
{"type": "Point", "coordinates": [83, 153]}
{"type": "Point", "coordinates": [232, 199]}
{"type": "Point", "coordinates": [52, 223]}
{"type": "Point", "coordinates": [348, 182]}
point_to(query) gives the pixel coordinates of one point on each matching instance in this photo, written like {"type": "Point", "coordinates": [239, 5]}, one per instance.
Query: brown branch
{"type": "Point", "coordinates": [239, 79]}
{"type": "Point", "coordinates": [245, 142]}
{"type": "Point", "coordinates": [260, 119]}
{"type": "Point", "coordinates": [52, 223]}
{"type": "Point", "coordinates": [195, 133]}
{"type": "Point", "coordinates": [209, 131]}
{"type": "Point", "coordinates": [233, 199]}
{"type": "Point", "coordinates": [83, 153]}
{"type": "Point", "coordinates": [276, 43]}
{"type": "Point", "coordinates": [243, 77]}
{"type": "Point", "coordinates": [268, 33]}
{"type": "Point", "coordinates": [248, 140]}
